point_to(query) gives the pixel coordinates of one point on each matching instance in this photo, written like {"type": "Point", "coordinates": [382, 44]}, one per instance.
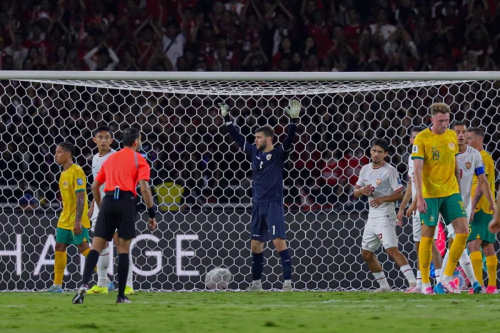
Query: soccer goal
{"type": "Point", "coordinates": [200, 180]}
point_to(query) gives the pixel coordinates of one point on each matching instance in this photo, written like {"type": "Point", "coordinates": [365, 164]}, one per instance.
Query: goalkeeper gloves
{"type": "Point", "coordinates": [293, 109]}
{"type": "Point", "coordinates": [224, 110]}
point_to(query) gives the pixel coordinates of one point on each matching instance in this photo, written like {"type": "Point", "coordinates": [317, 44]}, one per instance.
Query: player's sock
{"type": "Point", "coordinates": [130, 274]}
{"type": "Point", "coordinates": [123, 265]}
{"type": "Point", "coordinates": [438, 273]}
{"type": "Point", "coordinates": [476, 258]}
{"type": "Point", "coordinates": [491, 265]}
{"type": "Point", "coordinates": [408, 273]}
{"type": "Point", "coordinates": [382, 280]}
{"type": "Point", "coordinates": [59, 266]}
{"type": "Point", "coordinates": [419, 279]}
{"type": "Point", "coordinates": [445, 262]}
{"type": "Point", "coordinates": [456, 250]}
{"type": "Point", "coordinates": [257, 265]}
{"type": "Point", "coordinates": [102, 268]}
{"type": "Point", "coordinates": [466, 265]}
{"type": "Point", "coordinates": [425, 258]}
{"type": "Point", "coordinates": [85, 253]}
{"type": "Point", "coordinates": [286, 262]}
{"type": "Point", "coordinates": [90, 263]}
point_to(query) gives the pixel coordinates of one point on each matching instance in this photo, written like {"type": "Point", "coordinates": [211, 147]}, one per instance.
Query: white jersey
{"type": "Point", "coordinates": [469, 162]}
{"type": "Point", "coordinates": [384, 181]}
{"type": "Point", "coordinates": [411, 172]}
{"type": "Point", "coordinates": [97, 162]}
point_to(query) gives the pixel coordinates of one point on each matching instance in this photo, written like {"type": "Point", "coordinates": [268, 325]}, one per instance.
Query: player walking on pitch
{"type": "Point", "coordinates": [437, 177]}
{"type": "Point", "coordinates": [268, 222]}
{"type": "Point", "coordinates": [414, 215]}
{"type": "Point", "coordinates": [380, 182]}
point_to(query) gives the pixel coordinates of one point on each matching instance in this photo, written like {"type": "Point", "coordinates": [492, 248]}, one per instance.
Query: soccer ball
{"type": "Point", "coordinates": [218, 278]}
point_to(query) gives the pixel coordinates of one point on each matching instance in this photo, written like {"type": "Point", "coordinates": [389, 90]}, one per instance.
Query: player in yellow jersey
{"type": "Point", "coordinates": [480, 237]}
{"type": "Point", "coordinates": [494, 225]}
{"type": "Point", "coordinates": [437, 177]}
{"type": "Point", "coordinates": [73, 225]}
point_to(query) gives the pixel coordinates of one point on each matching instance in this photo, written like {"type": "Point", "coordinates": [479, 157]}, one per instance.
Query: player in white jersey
{"type": "Point", "coordinates": [413, 214]}
{"type": "Point", "coordinates": [470, 163]}
{"type": "Point", "coordinates": [103, 139]}
{"type": "Point", "coordinates": [380, 182]}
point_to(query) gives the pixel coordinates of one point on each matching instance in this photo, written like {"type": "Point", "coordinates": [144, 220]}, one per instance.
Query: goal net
{"type": "Point", "coordinates": [201, 181]}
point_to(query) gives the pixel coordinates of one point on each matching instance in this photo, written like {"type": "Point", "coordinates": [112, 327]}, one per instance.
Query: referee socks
{"type": "Point", "coordinates": [123, 264]}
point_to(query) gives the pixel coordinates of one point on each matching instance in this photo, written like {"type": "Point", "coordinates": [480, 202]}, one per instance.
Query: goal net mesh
{"type": "Point", "coordinates": [201, 182]}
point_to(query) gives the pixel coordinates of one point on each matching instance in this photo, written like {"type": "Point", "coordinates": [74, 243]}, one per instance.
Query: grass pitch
{"type": "Point", "coordinates": [251, 312]}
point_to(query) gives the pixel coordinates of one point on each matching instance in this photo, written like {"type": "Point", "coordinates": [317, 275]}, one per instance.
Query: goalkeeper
{"type": "Point", "coordinates": [268, 221]}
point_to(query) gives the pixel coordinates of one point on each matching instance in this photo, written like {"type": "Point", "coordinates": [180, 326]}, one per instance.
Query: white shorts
{"type": "Point", "coordinates": [449, 227]}
{"type": "Point", "coordinates": [375, 235]}
{"type": "Point", "coordinates": [417, 228]}
{"type": "Point", "coordinates": [93, 219]}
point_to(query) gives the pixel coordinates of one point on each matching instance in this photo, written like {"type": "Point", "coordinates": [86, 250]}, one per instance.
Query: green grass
{"type": "Point", "coordinates": [251, 312]}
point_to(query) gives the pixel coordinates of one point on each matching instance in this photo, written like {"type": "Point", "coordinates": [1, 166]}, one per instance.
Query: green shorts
{"type": "Point", "coordinates": [451, 208]}
{"type": "Point", "coordinates": [67, 237]}
{"type": "Point", "coordinates": [478, 229]}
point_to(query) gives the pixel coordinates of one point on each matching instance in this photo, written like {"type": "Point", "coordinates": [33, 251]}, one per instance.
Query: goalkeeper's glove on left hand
{"type": "Point", "coordinates": [293, 109]}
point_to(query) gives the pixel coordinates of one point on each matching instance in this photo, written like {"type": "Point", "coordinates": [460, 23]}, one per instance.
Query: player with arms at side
{"type": "Point", "coordinates": [120, 173]}
{"type": "Point", "coordinates": [483, 209]}
{"type": "Point", "coordinates": [103, 139]}
{"type": "Point", "coordinates": [470, 164]}
{"type": "Point", "coordinates": [437, 177]}
{"type": "Point", "coordinates": [268, 221]}
{"type": "Point", "coordinates": [73, 225]}
{"type": "Point", "coordinates": [414, 215]}
{"type": "Point", "coordinates": [380, 182]}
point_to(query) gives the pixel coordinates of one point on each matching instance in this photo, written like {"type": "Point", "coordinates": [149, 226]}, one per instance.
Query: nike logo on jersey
{"type": "Point", "coordinates": [258, 157]}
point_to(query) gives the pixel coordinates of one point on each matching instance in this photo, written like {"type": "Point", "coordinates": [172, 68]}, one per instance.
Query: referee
{"type": "Point", "coordinates": [117, 213]}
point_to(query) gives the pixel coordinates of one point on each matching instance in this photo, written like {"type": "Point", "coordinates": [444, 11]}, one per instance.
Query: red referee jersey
{"type": "Point", "coordinates": [123, 169]}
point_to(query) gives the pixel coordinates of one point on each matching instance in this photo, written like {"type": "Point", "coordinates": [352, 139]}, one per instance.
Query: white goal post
{"type": "Point", "coordinates": [201, 181]}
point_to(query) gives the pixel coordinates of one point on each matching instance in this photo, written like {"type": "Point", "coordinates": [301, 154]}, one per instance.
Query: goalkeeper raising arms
{"type": "Point", "coordinates": [268, 220]}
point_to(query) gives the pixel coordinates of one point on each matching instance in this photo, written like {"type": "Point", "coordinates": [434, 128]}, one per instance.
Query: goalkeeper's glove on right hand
{"type": "Point", "coordinates": [224, 110]}
{"type": "Point", "coordinates": [294, 109]}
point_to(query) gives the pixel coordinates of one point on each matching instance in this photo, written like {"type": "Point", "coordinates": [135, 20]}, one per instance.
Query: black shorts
{"type": "Point", "coordinates": [117, 216]}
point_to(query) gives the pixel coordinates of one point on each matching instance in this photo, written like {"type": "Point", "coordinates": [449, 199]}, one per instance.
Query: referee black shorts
{"type": "Point", "coordinates": [117, 215]}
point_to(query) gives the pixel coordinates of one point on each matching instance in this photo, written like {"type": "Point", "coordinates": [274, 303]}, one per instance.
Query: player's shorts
{"type": "Point", "coordinates": [268, 221]}
{"type": "Point", "coordinates": [478, 228]}
{"type": "Point", "coordinates": [66, 236]}
{"type": "Point", "coordinates": [417, 228]}
{"type": "Point", "coordinates": [93, 219]}
{"type": "Point", "coordinates": [451, 208]}
{"type": "Point", "coordinates": [377, 234]}
{"type": "Point", "coordinates": [449, 227]}
{"type": "Point", "coordinates": [117, 215]}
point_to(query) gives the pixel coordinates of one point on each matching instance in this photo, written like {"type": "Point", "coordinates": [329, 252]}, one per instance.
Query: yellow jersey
{"type": "Point", "coordinates": [71, 182]}
{"type": "Point", "coordinates": [489, 170]}
{"type": "Point", "coordinates": [438, 151]}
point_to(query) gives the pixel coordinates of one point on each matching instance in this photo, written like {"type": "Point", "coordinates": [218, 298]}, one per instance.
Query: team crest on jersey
{"type": "Point", "coordinates": [268, 157]}
{"type": "Point", "coordinates": [415, 149]}
{"type": "Point", "coordinates": [79, 181]}
{"type": "Point", "coordinates": [451, 145]}
{"type": "Point", "coordinates": [65, 185]}
{"type": "Point", "coordinates": [378, 181]}
{"type": "Point", "coordinates": [468, 165]}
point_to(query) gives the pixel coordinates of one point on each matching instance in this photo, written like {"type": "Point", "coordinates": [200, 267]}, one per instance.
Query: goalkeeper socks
{"type": "Point", "coordinates": [467, 267]}
{"type": "Point", "coordinates": [408, 273]}
{"type": "Point", "coordinates": [59, 266]}
{"type": "Point", "coordinates": [419, 280]}
{"type": "Point", "coordinates": [257, 265]}
{"type": "Point", "coordinates": [381, 279]}
{"type": "Point", "coordinates": [123, 265]}
{"type": "Point", "coordinates": [456, 250]}
{"type": "Point", "coordinates": [491, 265]}
{"type": "Point", "coordinates": [425, 258]}
{"type": "Point", "coordinates": [286, 262]}
{"type": "Point", "coordinates": [90, 262]}
{"type": "Point", "coordinates": [102, 268]}
{"type": "Point", "coordinates": [130, 274]}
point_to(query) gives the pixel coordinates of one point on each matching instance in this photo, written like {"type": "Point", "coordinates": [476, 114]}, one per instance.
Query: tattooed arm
{"type": "Point", "coordinates": [80, 204]}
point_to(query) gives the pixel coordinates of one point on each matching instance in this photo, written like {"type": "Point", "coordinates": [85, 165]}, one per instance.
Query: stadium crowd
{"type": "Point", "coordinates": [185, 142]}
{"type": "Point", "coordinates": [250, 35]}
